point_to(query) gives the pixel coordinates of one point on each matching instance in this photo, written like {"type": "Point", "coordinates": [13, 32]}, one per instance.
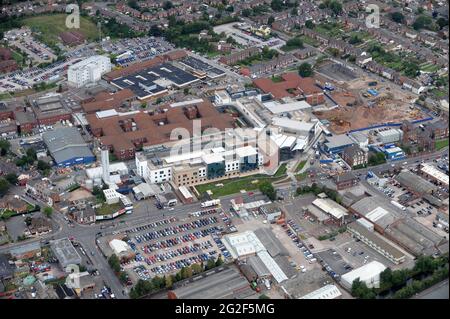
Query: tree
{"type": "Point", "coordinates": [276, 5]}
{"type": "Point", "coordinates": [169, 281]}
{"type": "Point", "coordinates": [189, 272]}
{"type": "Point", "coordinates": [31, 154]}
{"type": "Point", "coordinates": [270, 20]}
{"type": "Point", "coordinates": [442, 22]}
{"type": "Point", "coordinates": [292, 44]}
{"type": "Point", "coordinates": [133, 4]}
{"type": "Point", "coordinates": [422, 22]}
{"type": "Point", "coordinates": [196, 268]}
{"type": "Point", "coordinates": [336, 7]}
{"type": "Point", "coordinates": [219, 261]}
{"type": "Point", "coordinates": [4, 147]}
{"type": "Point", "coordinates": [267, 189]}
{"type": "Point", "coordinates": [305, 70]}
{"type": "Point", "coordinates": [43, 166]}
{"type": "Point", "coordinates": [377, 159]}
{"type": "Point", "coordinates": [246, 13]}
{"type": "Point", "coordinates": [360, 290]}
{"type": "Point", "coordinates": [167, 5]}
{"type": "Point", "coordinates": [142, 288]}
{"type": "Point", "coordinates": [11, 178]}
{"type": "Point", "coordinates": [4, 186]}
{"type": "Point", "coordinates": [210, 264]}
{"type": "Point", "coordinates": [354, 39]}
{"type": "Point", "coordinates": [399, 277]}
{"type": "Point", "coordinates": [424, 264]}
{"type": "Point", "coordinates": [123, 277]}
{"type": "Point", "coordinates": [48, 211]}
{"type": "Point", "coordinates": [114, 263]}
{"type": "Point", "coordinates": [158, 282]}
{"type": "Point", "coordinates": [155, 31]}
{"type": "Point", "coordinates": [398, 17]}
{"type": "Point", "coordinates": [98, 193]}
{"type": "Point", "coordinates": [309, 24]}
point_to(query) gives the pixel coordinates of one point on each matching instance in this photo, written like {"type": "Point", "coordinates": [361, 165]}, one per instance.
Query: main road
{"type": "Point", "coordinates": [147, 212]}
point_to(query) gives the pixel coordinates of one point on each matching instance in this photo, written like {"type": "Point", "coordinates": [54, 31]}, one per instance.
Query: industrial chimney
{"type": "Point", "coordinates": [105, 165]}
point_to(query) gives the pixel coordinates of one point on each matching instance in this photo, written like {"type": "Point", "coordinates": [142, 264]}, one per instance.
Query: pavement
{"type": "Point", "coordinates": [438, 291]}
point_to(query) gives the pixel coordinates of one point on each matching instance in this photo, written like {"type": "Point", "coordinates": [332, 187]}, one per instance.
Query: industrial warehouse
{"type": "Point", "coordinates": [155, 81]}
{"type": "Point", "coordinates": [67, 147]}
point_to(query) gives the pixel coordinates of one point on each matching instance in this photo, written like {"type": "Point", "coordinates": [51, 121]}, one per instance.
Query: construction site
{"type": "Point", "coordinates": [363, 102]}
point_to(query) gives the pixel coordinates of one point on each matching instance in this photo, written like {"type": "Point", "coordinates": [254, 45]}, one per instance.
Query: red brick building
{"type": "Point", "coordinates": [106, 101]}
{"type": "Point", "coordinates": [292, 85]}
{"type": "Point", "coordinates": [123, 134]}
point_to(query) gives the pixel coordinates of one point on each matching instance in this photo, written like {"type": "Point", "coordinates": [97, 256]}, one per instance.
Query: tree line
{"type": "Point", "coordinates": [430, 270]}
{"type": "Point", "coordinates": [145, 287]}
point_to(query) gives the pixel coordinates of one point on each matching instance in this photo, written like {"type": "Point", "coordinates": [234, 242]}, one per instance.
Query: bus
{"type": "Point", "coordinates": [210, 203]}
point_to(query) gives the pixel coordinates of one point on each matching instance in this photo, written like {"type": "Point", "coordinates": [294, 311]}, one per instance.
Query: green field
{"type": "Point", "coordinates": [5, 95]}
{"type": "Point", "coordinates": [17, 57]}
{"type": "Point", "coordinates": [429, 67]}
{"type": "Point", "coordinates": [276, 79]}
{"type": "Point", "coordinates": [333, 30]}
{"type": "Point", "coordinates": [106, 209]}
{"type": "Point", "coordinates": [300, 166]}
{"type": "Point", "coordinates": [235, 185]}
{"type": "Point", "coordinates": [52, 25]}
{"type": "Point", "coordinates": [441, 144]}
{"type": "Point", "coordinates": [281, 171]}
{"type": "Point", "coordinates": [309, 41]}
{"type": "Point", "coordinates": [439, 93]}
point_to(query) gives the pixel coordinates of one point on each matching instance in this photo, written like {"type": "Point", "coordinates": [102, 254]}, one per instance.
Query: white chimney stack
{"type": "Point", "coordinates": [105, 165]}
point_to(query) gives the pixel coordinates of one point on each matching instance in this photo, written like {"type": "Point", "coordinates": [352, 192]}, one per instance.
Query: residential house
{"type": "Point", "coordinates": [354, 156]}
{"type": "Point", "coordinates": [38, 226]}
{"type": "Point", "coordinates": [26, 251]}
{"type": "Point", "coordinates": [85, 215]}
{"type": "Point", "coordinates": [14, 203]}
{"type": "Point", "coordinates": [439, 129]}
{"type": "Point", "coordinates": [44, 191]}
{"type": "Point", "coordinates": [413, 86]}
{"type": "Point", "coordinates": [345, 180]}
{"type": "Point", "coordinates": [239, 56]}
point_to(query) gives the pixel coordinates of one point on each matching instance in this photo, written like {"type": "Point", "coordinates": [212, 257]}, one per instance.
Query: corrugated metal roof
{"type": "Point", "coordinates": [325, 292]}
{"type": "Point", "coordinates": [273, 267]}
{"type": "Point", "coordinates": [330, 207]}
{"type": "Point", "coordinates": [415, 182]}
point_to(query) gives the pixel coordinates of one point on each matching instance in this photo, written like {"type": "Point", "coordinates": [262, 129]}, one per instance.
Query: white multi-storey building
{"type": "Point", "coordinates": [88, 71]}
{"type": "Point", "coordinates": [199, 167]}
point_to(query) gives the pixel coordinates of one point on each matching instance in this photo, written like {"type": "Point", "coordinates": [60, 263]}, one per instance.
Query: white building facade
{"type": "Point", "coordinates": [88, 71]}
